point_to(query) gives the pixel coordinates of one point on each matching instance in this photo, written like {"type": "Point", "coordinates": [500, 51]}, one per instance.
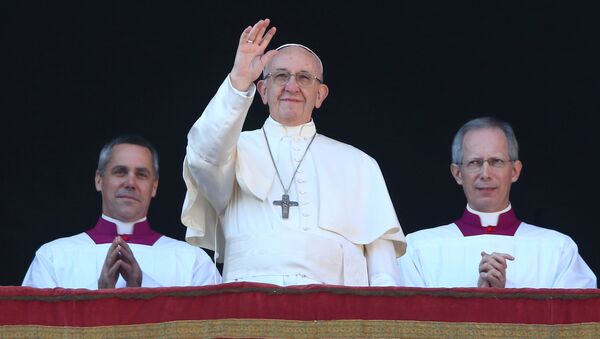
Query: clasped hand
{"type": "Point", "coordinates": [492, 269]}
{"type": "Point", "coordinates": [120, 261]}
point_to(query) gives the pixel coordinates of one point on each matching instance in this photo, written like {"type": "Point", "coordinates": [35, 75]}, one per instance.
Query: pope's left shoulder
{"type": "Point", "coordinates": [341, 148]}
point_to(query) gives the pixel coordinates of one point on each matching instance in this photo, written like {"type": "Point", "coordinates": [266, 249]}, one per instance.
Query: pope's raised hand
{"type": "Point", "coordinates": [250, 58]}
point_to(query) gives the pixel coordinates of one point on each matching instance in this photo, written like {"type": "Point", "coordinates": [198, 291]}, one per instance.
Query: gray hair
{"type": "Point", "coordinates": [319, 62]}
{"type": "Point", "coordinates": [482, 123]}
{"type": "Point", "coordinates": [106, 151]}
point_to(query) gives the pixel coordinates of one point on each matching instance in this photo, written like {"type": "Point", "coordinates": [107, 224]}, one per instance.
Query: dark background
{"type": "Point", "coordinates": [402, 79]}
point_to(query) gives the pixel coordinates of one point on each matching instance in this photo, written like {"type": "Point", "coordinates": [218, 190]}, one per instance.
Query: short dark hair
{"type": "Point", "coordinates": [133, 139]}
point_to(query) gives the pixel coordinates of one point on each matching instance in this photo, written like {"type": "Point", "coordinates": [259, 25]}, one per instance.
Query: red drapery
{"type": "Point", "coordinates": [260, 310]}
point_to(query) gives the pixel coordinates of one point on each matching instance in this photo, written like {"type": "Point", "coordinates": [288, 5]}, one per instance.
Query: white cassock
{"type": "Point", "coordinates": [76, 262]}
{"type": "Point", "coordinates": [344, 230]}
{"type": "Point", "coordinates": [444, 257]}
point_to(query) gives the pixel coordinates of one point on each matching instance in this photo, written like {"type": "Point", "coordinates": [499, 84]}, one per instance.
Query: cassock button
{"type": "Point", "coordinates": [125, 237]}
{"type": "Point", "coordinates": [489, 229]}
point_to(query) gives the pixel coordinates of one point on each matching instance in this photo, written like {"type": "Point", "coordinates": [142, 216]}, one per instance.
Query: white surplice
{"type": "Point", "coordinates": [76, 262]}
{"type": "Point", "coordinates": [344, 231]}
{"type": "Point", "coordinates": [443, 257]}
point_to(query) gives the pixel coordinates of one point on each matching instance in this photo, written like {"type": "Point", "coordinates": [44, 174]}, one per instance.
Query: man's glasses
{"type": "Point", "coordinates": [303, 79]}
{"type": "Point", "coordinates": [476, 164]}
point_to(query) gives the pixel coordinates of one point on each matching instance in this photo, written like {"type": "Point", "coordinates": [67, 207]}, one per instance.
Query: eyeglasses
{"type": "Point", "coordinates": [303, 78]}
{"type": "Point", "coordinates": [476, 164]}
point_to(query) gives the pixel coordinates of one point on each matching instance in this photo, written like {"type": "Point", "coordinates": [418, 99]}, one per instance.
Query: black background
{"type": "Point", "coordinates": [402, 79]}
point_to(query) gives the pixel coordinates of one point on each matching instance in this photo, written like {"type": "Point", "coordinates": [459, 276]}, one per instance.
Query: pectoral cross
{"type": "Point", "coordinates": [285, 204]}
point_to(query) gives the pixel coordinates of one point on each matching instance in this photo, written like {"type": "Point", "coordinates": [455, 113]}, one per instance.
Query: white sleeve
{"type": "Point", "coordinates": [205, 271]}
{"type": "Point", "coordinates": [212, 140]}
{"type": "Point", "coordinates": [41, 272]}
{"type": "Point", "coordinates": [410, 270]}
{"type": "Point", "coordinates": [381, 263]}
{"type": "Point", "coordinates": [573, 272]}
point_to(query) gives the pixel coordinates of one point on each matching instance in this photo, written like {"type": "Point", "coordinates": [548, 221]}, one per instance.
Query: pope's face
{"type": "Point", "coordinates": [487, 189]}
{"type": "Point", "coordinates": [128, 183]}
{"type": "Point", "coordinates": [291, 104]}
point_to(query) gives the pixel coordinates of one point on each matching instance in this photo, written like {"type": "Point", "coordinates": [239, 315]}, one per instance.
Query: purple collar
{"type": "Point", "coordinates": [105, 232]}
{"type": "Point", "coordinates": [470, 224]}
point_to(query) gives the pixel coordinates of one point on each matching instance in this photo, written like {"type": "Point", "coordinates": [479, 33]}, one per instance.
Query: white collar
{"type": "Point", "coordinates": [278, 131]}
{"type": "Point", "coordinates": [489, 219]}
{"type": "Point", "coordinates": [122, 226]}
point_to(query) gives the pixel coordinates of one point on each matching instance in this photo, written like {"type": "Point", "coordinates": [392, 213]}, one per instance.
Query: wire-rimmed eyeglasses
{"type": "Point", "coordinates": [476, 164]}
{"type": "Point", "coordinates": [303, 78]}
